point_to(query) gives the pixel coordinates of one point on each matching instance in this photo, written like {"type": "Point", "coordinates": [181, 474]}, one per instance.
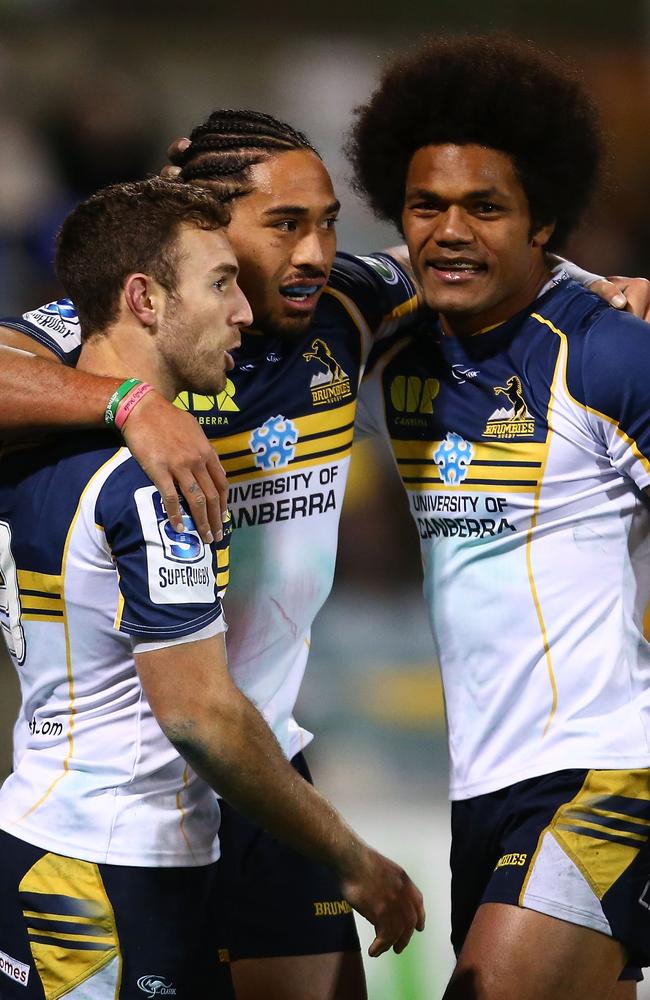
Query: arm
{"type": "Point", "coordinates": [38, 394]}
{"type": "Point", "coordinates": [228, 743]}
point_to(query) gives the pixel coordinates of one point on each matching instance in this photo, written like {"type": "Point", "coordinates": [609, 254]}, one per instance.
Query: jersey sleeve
{"type": "Point", "coordinates": [55, 326]}
{"type": "Point", "coordinates": [380, 288]}
{"type": "Point", "coordinates": [168, 580]}
{"type": "Point", "coordinates": [613, 382]}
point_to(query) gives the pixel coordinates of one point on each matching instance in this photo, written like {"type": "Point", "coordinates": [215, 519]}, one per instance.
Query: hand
{"type": "Point", "coordinates": [383, 893]}
{"type": "Point", "coordinates": [172, 449]}
{"type": "Point", "coordinates": [175, 152]}
{"type": "Point", "coordinates": [631, 294]}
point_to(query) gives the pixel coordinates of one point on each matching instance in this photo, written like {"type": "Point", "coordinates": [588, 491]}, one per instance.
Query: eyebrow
{"type": "Point", "coordinates": [300, 209]}
{"type": "Point", "coordinates": [490, 192]}
{"type": "Point", "coordinates": [225, 269]}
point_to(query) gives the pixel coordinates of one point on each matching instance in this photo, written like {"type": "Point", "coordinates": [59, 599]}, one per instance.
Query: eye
{"type": "Point", "coordinates": [286, 226]}
{"type": "Point", "coordinates": [424, 207]}
{"type": "Point", "coordinates": [220, 284]}
{"type": "Point", "coordinates": [486, 208]}
{"type": "Point", "coordinates": [331, 222]}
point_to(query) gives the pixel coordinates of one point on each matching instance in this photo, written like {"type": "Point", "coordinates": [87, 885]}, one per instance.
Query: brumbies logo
{"type": "Point", "coordinates": [331, 385]}
{"type": "Point", "coordinates": [515, 420]}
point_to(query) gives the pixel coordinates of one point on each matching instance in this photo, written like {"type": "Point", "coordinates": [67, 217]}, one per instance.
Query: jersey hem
{"type": "Point", "coordinates": [462, 792]}
{"type": "Point", "coordinates": [69, 850]}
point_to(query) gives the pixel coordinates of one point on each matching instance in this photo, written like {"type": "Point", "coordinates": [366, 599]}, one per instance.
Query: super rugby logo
{"type": "Point", "coordinates": [58, 318]}
{"type": "Point", "coordinates": [332, 384]}
{"type": "Point", "coordinates": [179, 566]}
{"type": "Point", "coordinates": [180, 546]}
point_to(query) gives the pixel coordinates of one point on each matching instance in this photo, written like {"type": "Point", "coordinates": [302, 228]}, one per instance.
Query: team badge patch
{"type": "Point", "coordinates": [180, 566]}
{"type": "Point", "coordinates": [331, 384]}
{"type": "Point", "coordinates": [453, 458]}
{"type": "Point", "coordinates": [514, 420]}
{"type": "Point", "coordinates": [273, 444]}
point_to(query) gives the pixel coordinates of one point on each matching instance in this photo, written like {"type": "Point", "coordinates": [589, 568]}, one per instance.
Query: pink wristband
{"type": "Point", "coordinates": [129, 402]}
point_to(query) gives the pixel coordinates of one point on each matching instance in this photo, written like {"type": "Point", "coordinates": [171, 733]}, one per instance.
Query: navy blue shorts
{"type": "Point", "coordinates": [270, 901]}
{"type": "Point", "coordinates": [573, 844]}
{"type": "Point", "coordinates": [115, 932]}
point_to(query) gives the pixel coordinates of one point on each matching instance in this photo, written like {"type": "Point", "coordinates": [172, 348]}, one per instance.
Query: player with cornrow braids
{"type": "Point", "coordinates": [283, 429]}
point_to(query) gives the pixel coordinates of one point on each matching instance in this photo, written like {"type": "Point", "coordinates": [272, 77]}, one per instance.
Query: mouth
{"type": "Point", "coordinates": [229, 361]}
{"type": "Point", "coordinates": [454, 270]}
{"type": "Point", "coordinates": [302, 295]}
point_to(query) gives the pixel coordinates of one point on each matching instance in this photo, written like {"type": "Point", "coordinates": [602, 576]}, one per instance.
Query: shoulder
{"type": "Point", "coordinates": [377, 285]}
{"type": "Point", "coordinates": [606, 349]}
{"type": "Point", "coordinates": [55, 325]}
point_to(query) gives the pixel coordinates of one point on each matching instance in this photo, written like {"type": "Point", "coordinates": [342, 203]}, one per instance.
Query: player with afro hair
{"type": "Point", "coordinates": [490, 90]}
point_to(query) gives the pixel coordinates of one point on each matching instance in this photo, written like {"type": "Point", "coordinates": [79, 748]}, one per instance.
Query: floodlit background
{"type": "Point", "coordinates": [92, 93]}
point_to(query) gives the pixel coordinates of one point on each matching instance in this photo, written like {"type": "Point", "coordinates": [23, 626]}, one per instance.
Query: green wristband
{"type": "Point", "coordinates": [122, 390]}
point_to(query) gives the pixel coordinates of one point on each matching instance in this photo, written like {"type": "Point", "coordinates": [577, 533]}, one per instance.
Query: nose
{"type": "Point", "coordinates": [242, 314]}
{"type": "Point", "coordinates": [452, 227]}
{"type": "Point", "coordinates": [309, 250]}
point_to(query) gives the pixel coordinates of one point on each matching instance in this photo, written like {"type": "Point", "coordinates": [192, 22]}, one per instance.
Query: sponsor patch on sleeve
{"type": "Point", "coordinates": [56, 325]}
{"type": "Point", "coordinates": [180, 566]}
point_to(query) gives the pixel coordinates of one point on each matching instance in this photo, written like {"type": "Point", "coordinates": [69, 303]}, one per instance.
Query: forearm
{"type": "Point", "coordinates": [40, 395]}
{"type": "Point", "coordinates": [236, 753]}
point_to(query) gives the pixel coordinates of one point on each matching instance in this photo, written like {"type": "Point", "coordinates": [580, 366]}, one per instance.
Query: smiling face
{"type": "Point", "coordinates": [200, 323]}
{"type": "Point", "coordinates": [283, 234]}
{"type": "Point", "coordinates": [468, 228]}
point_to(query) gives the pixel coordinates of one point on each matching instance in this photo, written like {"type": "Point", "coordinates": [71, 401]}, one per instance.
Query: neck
{"type": "Point", "coordinates": [123, 351]}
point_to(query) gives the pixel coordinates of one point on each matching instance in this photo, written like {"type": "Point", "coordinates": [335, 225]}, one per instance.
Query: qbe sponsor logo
{"type": "Point", "coordinates": [14, 969]}
{"type": "Point", "coordinates": [180, 567]}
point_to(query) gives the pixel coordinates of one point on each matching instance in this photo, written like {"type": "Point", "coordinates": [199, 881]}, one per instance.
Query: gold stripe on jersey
{"type": "Point", "coordinates": [403, 309]}
{"type": "Point", "coordinates": [223, 570]}
{"type": "Point", "coordinates": [630, 442]}
{"type": "Point", "coordinates": [601, 852]}
{"type": "Point", "coordinates": [41, 596]}
{"type": "Point", "coordinates": [516, 467]}
{"type": "Point", "coordinates": [529, 556]}
{"type": "Point", "coordinates": [322, 437]}
{"type": "Point", "coordinates": [355, 315]}
{"type": "Point", "coordinates": [60, 965]}
{"type": "Point", "coordinates": [115, 459]}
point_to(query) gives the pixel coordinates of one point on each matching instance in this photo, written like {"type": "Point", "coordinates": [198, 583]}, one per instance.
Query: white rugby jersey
{"type": "Point", "coordinates": [524, 452]}
{"type": "Point", "coordinates": [283, 430]}
{"type": "Point", "coordinates": [89, 564]}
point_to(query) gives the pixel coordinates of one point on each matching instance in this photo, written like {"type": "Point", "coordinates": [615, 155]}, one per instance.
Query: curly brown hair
{"type": "Point", "coordinates": [122, 229]}
{"type": "Point", "coordinates": [493, 90]}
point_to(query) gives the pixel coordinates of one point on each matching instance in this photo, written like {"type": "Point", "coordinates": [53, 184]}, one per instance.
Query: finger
{"type": "Point", "coordinates": [219, 479]}
{"type": "Point", "coordinates": [177, 148]}
{"type": "Point", "coordinates": [378, 946]}
{"type": "Point", "coordinates": [170, 172]}
{"type": "Point", "coordinates": [197, 507]}
{"type": "Point", "coordinates": [403, 939]}
{"type": "Point", "coordinates": [171, 501]}
{"type": "Point", "coordinates": [216, 499]}
{"type": "Point", "coordinates": [610, 292]}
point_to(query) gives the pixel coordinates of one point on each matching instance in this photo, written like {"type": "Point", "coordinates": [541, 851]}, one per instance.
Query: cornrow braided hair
{"type": "Point", "coordinates": [229, 143]}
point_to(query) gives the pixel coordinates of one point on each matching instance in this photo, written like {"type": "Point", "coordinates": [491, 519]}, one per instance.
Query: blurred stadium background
{"type": "Point", "coordinates": [92, 93]}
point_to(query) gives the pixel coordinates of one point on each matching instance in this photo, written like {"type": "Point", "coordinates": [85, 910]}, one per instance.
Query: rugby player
{"type": "Point", "coordinates": [283, 427]}
{"type": "Point", "coordinates": [129, 718]}
{"type": "Point", "coordinates": [525, 469]}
